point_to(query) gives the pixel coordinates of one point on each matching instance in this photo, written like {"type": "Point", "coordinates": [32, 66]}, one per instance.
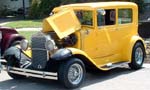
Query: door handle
{"type": "Point", "coordinates": [87, 32]}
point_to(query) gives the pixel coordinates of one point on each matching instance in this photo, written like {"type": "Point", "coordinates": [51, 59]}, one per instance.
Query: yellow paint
{"type": "Point", "coordinates": [28, 53]}
{"type": "Point", "coordinates": [101, 45]}
{"type": "Point", "coordinates": [63, 23]}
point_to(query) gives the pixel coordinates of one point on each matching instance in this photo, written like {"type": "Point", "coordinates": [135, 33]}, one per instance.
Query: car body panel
{"type": "Point", "coordinates": [107, 42]}
{"type": "Point", "coordinates": [69, 23]}
{"type": "Point", "coordinates": [100, 44]}
{"type": "Point", "coordinates": [9, 35]}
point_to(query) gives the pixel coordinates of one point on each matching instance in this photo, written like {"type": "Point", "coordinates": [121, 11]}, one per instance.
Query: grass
{"type": "Point", "coordinates": [27, 34]}
{"type": "Point", "coordinates": [24, 24]}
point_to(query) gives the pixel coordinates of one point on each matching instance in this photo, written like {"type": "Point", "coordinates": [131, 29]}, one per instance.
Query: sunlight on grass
{"type": "Point", "coordinates": [27, 34]}
{"type": "Point", "coordinates": [25, 24]}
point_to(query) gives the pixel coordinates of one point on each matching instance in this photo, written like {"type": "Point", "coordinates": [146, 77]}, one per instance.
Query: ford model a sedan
{"type": "Point", "coordinates": [78, 37]}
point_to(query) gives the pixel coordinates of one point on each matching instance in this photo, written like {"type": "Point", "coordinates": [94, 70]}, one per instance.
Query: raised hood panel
{"type": "Point", "coordinates": [63, 23]}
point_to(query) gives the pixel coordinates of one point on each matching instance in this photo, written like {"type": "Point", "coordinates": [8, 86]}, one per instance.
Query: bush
{"type": "Point", "coordinates": [42, 8]}
{"type": "Point", "coordinates": [34, 11]}
{"type": "Point", "coordinates": [46, 6]}
{"type": "Point", "coordinates": [140, 4]}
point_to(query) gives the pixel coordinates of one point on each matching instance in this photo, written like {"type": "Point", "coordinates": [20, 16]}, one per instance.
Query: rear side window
{"type": "Point", "coordinates": [124, 16]}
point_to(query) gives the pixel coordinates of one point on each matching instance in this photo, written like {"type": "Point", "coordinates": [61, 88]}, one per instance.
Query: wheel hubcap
{"type": "Point", "coordinates": [139, 56]}
{"type": "Point", "coordinates": [75, 73]}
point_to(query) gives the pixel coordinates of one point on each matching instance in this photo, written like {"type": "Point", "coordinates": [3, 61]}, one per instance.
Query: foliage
{"type": "Point", "coordinates": [46, 6]}
{"type": "Point", "coordinates": [5, 11]}
{"type": "Point", "coordinates": [141, 5]}
{"type": "Point", "coordinates": [42, 8]}
{"type": "Point", "coordinates": [34, 11]}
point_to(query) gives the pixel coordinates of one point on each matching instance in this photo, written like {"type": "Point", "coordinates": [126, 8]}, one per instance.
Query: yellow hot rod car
{"type": "Point", "coordinates": [77, 37]}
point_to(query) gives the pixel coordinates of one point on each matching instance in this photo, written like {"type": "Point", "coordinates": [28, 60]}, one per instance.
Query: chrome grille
{"type": "Point", "coordinates": [39, 53]}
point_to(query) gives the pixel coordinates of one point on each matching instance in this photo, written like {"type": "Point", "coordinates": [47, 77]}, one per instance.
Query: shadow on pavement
{"type": "Point", "coordinates": [40, 84]}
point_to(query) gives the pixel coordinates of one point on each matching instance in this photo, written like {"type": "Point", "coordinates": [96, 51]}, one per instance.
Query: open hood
{"type": "Point", "coordinates": [63, 23]}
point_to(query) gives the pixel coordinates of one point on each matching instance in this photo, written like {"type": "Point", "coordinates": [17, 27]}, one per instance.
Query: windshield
{"type": "Point", "coordinates": [85, 17]}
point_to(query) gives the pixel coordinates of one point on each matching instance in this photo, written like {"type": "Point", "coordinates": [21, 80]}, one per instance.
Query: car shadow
{"type": "Point", "coordinates": [40, 84]}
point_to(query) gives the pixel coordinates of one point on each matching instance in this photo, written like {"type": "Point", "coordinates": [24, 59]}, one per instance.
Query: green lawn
{"type": "Point", "coordinates": [24, 24]}
{"type": "Point", "coordinates": [27, 34]}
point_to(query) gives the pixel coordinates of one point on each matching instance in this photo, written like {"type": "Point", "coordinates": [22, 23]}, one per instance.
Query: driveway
{"type": "Point", "coordinates": [116, 79]}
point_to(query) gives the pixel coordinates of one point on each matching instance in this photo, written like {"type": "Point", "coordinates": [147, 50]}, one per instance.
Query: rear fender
{"type": "Point", "coordinates": [127, 52]}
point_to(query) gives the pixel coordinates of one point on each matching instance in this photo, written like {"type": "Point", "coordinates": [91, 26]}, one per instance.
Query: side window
{"type": "Point", "coordinates": [124, 16]}
{"type": "Point", "coordinates": [108, 19]}
{"type": "Point", "coordinates": [85, 17]}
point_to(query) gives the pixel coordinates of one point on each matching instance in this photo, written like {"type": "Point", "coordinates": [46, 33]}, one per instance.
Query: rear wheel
{"type": "Point", "coordinates": [71, 73]}
{"type": "Point", "coordinates": [138, 54]}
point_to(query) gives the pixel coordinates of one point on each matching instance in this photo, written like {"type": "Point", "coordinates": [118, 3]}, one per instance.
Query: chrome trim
{"type": "Point", "coordinates": [39, 49]}
{"type": "Point", "coordinates": [75, 73]}
{"type": "Point", "coordinates": [3, 62]}
{"type": "Point", "coordinates": [139, 55]}
{"type": "Point", "coordinates": [114, 65]}
{"type": "Point", "coordinates": [33, 73]}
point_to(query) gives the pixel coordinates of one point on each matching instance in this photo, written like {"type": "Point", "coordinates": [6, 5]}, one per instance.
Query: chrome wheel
{"type": "Point", "coordinates": [139, 55]}
{"type": "Point", "coordinates": [71, 73]}
{"type": "Point", "coordinates": [75, 73]}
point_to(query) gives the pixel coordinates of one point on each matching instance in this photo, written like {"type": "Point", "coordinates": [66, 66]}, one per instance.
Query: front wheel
{"type": "Point", "coordinates": [71, 73]}
{"type": "Point", "coordinates": [138, 54]}
{"type": "Point", "coordinates": [11, 61]}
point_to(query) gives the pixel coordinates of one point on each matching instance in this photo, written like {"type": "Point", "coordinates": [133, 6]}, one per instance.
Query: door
{"type": "Point", "coordinates": [88, 34]}
{"type": "Point", "coordinates": [106, 23]}
{"type": "Point", "coordinates": [98, 42]}
{"type": "Point", "coordinates": [121, 33]}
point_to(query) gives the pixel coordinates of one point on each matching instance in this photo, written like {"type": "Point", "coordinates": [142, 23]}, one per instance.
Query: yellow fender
{"type": "Point", "coordinates": [80, 52]}
{"type": "Point", "coordinates": [127, 53]}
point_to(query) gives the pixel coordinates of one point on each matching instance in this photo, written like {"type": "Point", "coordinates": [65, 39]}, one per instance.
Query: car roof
{"type": "Point", "coordinates": [101, 4]}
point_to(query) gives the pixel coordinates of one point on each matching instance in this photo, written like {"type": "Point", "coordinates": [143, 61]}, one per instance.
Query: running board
{"type": "Point", "coordinates": [113, 65]}
{"type": "Point", "coordinates": [32, 73]}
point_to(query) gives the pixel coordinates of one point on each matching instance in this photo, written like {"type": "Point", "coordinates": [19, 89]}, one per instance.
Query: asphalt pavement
{"type": "Point", "coordinates": [116, 79]}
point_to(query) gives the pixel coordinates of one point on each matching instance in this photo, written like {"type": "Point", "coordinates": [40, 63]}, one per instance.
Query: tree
{"type": "Point", "coordinates": [34, 11]}
{"type": "Point", "coordinates": [42, 8]}
{"type": "Point", "coordinates": [140, 4]}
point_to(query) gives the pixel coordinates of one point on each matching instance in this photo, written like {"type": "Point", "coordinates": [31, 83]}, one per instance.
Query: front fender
{"type": "Point", "coordinates": [82, 53]}
{"type": "Point", "coordinates": [127, 52]}
{"type": "Point", "coordinates": [61, 54]}
{"type": "Point", "coordinates": [64, 54]}
{"type": "Point", "coordinates": [9, 39]}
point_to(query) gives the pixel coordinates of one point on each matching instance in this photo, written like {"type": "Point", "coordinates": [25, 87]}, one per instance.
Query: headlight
{"type": "Point", "coordinates": [24, 44]}
{"type": "Point", "coordinates": [49, 45]}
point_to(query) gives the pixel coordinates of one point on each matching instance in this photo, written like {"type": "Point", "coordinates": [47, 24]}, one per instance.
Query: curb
{"type": "Point", "coordinates": [29, 29]}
